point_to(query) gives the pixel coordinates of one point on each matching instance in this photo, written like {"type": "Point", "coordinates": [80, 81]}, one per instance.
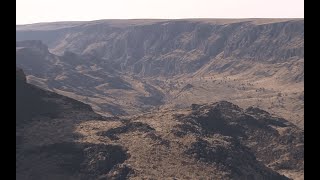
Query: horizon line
{"type": "Point", "coordinates": [227, 18]}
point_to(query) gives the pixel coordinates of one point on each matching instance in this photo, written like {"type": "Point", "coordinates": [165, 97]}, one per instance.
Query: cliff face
{"type": "Point", "coordinates": [123, 67]}
{"type": "Point", "coordinates": [175, 47]}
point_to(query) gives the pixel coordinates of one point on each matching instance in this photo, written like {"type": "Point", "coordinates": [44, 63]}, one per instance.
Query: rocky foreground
{"type": "Point", "coordinates": [61, 138]}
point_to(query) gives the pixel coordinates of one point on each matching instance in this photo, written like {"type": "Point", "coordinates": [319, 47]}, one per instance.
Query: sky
{"type": "Point", "coordinates": [34, 11]}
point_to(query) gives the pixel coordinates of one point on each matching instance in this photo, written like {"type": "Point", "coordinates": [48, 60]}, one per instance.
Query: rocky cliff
{"type": "Point", "coordinates": [171, 47]}
{"type": "Point", "coordinates": [124, 67]}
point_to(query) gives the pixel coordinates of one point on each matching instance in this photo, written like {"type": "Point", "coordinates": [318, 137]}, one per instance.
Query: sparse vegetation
{"type": "Point", "coordinates": [139, 73]}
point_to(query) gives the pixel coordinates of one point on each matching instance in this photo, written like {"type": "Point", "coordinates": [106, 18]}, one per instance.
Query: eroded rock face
{"type": "Point", "coordinates": [174, 47]}
{"type": "Point", "coordinates": [125, 67]}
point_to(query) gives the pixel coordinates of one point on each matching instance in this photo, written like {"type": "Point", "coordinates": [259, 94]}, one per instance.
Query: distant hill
{"type": "Point", "coordinates": [171, 47]}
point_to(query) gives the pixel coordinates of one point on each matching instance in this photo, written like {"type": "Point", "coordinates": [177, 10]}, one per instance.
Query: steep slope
{"type": "Point", "coordinates": [81, 77]}
{"type": "Point", "coordinates": [251, 62]}
{"type": "Point", "coordinates": [46, 146]}
{"type": "Point", "coordinates": [175, 47]}
{"type": "Point", "coordinates": [164, 47]}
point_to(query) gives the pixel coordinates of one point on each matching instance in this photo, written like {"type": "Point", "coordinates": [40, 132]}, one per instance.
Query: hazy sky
{"type": "Point", "coordinates": [32, 11]}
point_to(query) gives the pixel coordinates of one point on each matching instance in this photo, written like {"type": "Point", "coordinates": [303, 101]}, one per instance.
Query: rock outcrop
{"type": "Point", "coordinates": [274, 141]}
